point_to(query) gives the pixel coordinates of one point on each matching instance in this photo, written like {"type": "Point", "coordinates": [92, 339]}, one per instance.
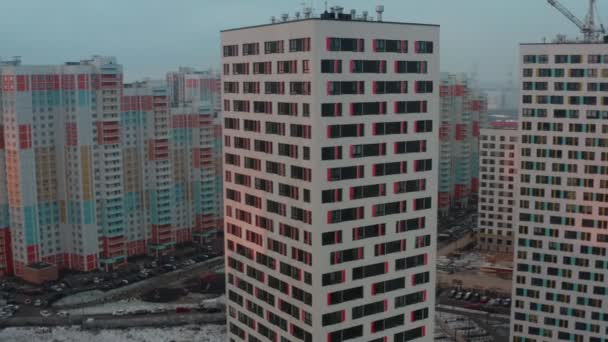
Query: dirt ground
{"type": "Point", "coordinates": [470, 276]}
{"type": "Point", "coordinates": [474, 279]}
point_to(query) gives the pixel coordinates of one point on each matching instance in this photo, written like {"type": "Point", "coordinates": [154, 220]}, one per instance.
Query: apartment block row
{"type": "Point", "coordinates": [88, 167]}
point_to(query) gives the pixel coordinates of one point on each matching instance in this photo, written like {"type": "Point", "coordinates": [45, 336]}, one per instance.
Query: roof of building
{"type": "Point", "coordinates": [331, 20]}
{"type": "Point", "coordinates": [39, 265]}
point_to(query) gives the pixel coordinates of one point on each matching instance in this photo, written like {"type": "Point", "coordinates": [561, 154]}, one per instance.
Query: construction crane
{"type": "Point", "coordinates": [591, 31]}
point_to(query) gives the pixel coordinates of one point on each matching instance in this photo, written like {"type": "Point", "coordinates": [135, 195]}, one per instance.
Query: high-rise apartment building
{"type": "Point", "coordinates": [497, 176]}
{"type": "Point", "coordinates": [148, 169]}
{"type": "Point", "coordinates": [330, 191]}
{"type": "Point", "coordinates": [196, 123]}
{"type": "Point", "coordinates": [63, 163]}
{"type": "Point", "coordinates": [561, 268]}
{"type": "Point", "coordinates": [463, 113]}
{"type": "Point", "coordinates": [90, 168]}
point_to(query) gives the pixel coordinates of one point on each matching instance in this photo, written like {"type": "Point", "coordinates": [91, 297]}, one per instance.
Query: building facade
{"type": "Point", "coordinates": [497, 189]}
{"type": "Point", "coordinates": [330, 191]}
{"type": "Point", "coordinates": [63, 161]}
{"type": "Point", "coordinates": [463, 113]}
{"type": "Point", "coordinates": [196, 124]}
{"type": "Point", "coordinates": [559, 287]}
{"type": "Point", "coordinates": [90, 167]}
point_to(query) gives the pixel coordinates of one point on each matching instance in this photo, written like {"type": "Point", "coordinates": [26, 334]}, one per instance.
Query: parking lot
{"type": "Point", "coordinates": [474, 299]}
{"type": "Point", "coordinates": [20, 299]}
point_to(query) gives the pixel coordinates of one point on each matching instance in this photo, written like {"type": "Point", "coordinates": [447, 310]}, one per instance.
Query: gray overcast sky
{"type": "Point", "coordinates": [150, 37]}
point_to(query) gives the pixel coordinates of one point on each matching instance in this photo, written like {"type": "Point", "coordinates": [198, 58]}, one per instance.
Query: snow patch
{"type": "Point", "coordinates": [206, 333]}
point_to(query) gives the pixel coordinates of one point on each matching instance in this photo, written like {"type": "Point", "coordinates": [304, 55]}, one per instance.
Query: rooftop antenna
{"type": "Point", "coordinates": [590, 30]}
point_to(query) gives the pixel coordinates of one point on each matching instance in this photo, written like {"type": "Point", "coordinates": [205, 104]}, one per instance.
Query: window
{"type": "Point", "coordinates": [388, 128]}
{"type": "Point", "coordinates": [345, 87]}
{"type": "Point", "coordinates": [240, 69]}
{"type": "Point", "coordinates": [250, 87]}
{"type": "Point", "coordinates": [368, 150]}
{"type": "Point", "coordinates": [262, 68]}
{"type": "Point", "coordinates": [410, 107]}
{"type": "Point", "coordinates": [331, 153]}
{"type": "Point", "coordinates": [345, 131]}
{"type": "Point", "coordinates": [390, 87]}
{"type": "Point", "coordinates": [423, 47]}
{"type": "Point", "coordinates": [287, 108]}
{"type": "Point", "coordinates": [367, 66]}
{"type": "Point", "coordinates": [345, 215]}
{"type": "Point", "coordinates": [262, 107]}
{"type": "Point", "coordinates": [299, 45]}
{"type": "Point", "coordinates": [345, 173]}
{"type": "Point", "coordinates": [251, 49]}
{"type": "Point", "coordinates": [331, 66]}
{"type": "Point", "coordinates": [287, 67]}
{"type": "Point", "coordinates": [367, 108]}
{"type": "Point", "coordinates": [423, 87]}
{"type": "Point", "coordinates": [386, 45]}
{"type": "Point", "coordinates": [367, 191]}
{"type": "Point", "coordinates": [299, 88]}
{"type": "Point", "coordinates": [273, 47]}
{"type": "Point", "coordinates": [231, 50]}
{"type": "Point", "coordinates": [331, 109]}
{"type": "Point", "coordinates": [415, 146]}
{"type": "Point", "coordinates": [385, 209]}
{"type": "Point", "coordinates": [388, 169]}
{"type": "Point", "coordinates": [274, 88]}
{"type": "Point", "coordinates": [411, 67]}
{"type": "Point", "coordinates": [345, 44]}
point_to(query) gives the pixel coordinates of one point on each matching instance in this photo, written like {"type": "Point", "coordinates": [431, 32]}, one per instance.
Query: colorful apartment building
{"type": "Point", "coordinates": [63, 163]}
{"type": "Point", "coordinates": [196, 126]}
{"type": "Point", "coordinates": [463, 113]}
{"type": "Point", "coordinates": [90, 169]}
{"type": "Point", "coordinates": [331, 185]}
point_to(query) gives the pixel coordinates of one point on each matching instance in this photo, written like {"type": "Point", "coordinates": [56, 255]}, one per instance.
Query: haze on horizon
{"type": "Point", "coordinates": [151, 37]}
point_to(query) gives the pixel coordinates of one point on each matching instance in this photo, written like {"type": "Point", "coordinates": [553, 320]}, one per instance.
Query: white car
{"type": "Point", "coordinates": [45, 313]}
{"type": "Point", "coordinates": [38, 302]}
{"type": "Point", "coordinates": [119, 313]}
{"type": "Point", "coordinates": [63, 314]}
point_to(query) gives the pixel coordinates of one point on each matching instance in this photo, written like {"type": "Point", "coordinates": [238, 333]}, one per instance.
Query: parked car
{"type": "Point", "coordinates": [119, 313]}
{"type": "Point", "coordinates": [475, 297]}
{"type": "Point", "coordinates": [467, 296]}
{"type": "Point", "coordinates": [484, 300]}
{"type": "Point", "coordinates": [45, 313]}
{"type": "Point", "coordinates": [63, 314]}
{"type": "Point", "coordinates": [37, 302]}
{"type": "Point", "coordinates": [452, 293]}
{"type": "Point", "coordinates": [506, 302]}
{"type": "Point", "coordinates": [459, 295]}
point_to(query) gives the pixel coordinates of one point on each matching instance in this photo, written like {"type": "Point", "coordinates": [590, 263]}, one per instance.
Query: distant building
{"type": "Point", "coordinates": [93, 171]}
{"type": "Point", "coordinates": [331, 184]}
{"type": "Point", "coordinates": [497, 188]}
{"type": "Point", "coordinates": [63, 158]}
{"type": "Point", "coordinates": [197, 128]}
{"type": "Point", "coordinates": [463, 113]}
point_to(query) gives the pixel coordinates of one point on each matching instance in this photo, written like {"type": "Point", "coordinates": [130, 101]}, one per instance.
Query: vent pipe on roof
{"type": "Point", "coordinates": [284, 17]}
{"type": "Point", "coordinates": [380, 10]}
{"type": "Point", "coordinates": [297, 15]}
{"type": "Point", "coordinates": [273, 19]}
{"type": "Point", "coordinates": [364, 15]}
{"type": "Point", "coordinates": [339, 10]}
{"type": "Point", "coordinates": [353, 14]}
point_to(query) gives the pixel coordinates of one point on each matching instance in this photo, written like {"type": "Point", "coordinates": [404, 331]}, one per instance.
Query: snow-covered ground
{"type": "Point", "coordinates": [206, 333]}
{"type": "Point", "coordinates": [132, 305]}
